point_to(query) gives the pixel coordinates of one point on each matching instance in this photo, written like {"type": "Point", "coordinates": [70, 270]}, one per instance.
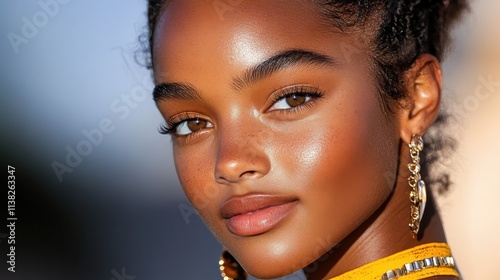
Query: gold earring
{"type": "Point", "coordinates": [418, 194]}
{"type": "Point", "coordinates": [229, 267]}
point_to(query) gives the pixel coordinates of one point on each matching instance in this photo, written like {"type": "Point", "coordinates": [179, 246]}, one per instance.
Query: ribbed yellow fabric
{"type": "Point", "coordinates": [376, 269]}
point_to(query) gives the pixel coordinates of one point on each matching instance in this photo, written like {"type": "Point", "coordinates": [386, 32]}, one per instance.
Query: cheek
{"type": "Point", "coordinates": [343, 164]}
{"type": "Point", "coordinates": [197, 180]}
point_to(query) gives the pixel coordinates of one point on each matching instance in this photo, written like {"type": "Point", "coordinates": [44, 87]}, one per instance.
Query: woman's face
{"type": "Point", "coordinates": [280, 140]}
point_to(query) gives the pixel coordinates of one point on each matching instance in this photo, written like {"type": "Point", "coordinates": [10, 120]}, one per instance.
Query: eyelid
{"type": "Point", "coordinates": [178, 118]}
{"type": "Point", "coordinates": [172, 123]}
{"type": "Point", "coordinates": [304, 89]}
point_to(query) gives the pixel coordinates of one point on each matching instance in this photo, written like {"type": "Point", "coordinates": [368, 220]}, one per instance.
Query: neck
{"type": "Point", "coordinates": [382, 235]}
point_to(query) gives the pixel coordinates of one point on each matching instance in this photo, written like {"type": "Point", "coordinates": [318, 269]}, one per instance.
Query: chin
{"type": "Point", "coordinates": [271, 270]}
{"type": "Point", "coordinates": [272, 261]}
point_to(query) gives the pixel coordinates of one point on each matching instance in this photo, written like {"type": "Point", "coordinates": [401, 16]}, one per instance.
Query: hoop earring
{"type": "Point", "coordinates": [418, 194]}
{"type": "Point", "coordinates": [229, 267]}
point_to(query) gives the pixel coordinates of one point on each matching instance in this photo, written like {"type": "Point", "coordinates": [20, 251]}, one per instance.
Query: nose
{"type": "Point", "coordinates": [240, 156]}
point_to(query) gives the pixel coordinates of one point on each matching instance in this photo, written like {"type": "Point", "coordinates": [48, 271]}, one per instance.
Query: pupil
{"type": "Point", "coordinates": [295, 100]}
{"type": "Point", "coordinates": [196, 124]}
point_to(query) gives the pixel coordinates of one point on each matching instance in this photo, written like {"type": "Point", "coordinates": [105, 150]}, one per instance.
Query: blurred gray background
{"type": "Point", "coordinates": [97, 196]}
{"type": "Point", "coordinates": [68, 67]}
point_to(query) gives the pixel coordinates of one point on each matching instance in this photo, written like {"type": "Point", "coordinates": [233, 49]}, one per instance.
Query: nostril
{"type": "Point", "coordinates": [249, 173]}
{"type": "Point", "coordinates": [227, 178]}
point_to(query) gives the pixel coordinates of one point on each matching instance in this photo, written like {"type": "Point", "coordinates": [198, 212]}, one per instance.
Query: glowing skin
{"type": "Point", "coordinates": [288, 161]}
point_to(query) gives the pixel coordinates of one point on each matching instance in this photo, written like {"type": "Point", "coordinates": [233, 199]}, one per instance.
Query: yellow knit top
{"type": "Point", "coordinates": [420, 262]}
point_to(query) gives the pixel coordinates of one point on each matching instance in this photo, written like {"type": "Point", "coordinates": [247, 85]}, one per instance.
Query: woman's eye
{"type": "Point", "coordinates": [290, 101]}
{"type": "Point", "coordinates": [191, 125]}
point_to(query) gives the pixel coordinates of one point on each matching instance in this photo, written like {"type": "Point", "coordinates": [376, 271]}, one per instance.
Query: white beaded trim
{"type": "Point", "coordinates": [419, 265]}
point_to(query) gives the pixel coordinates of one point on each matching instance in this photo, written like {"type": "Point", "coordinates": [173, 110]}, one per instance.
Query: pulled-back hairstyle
{"type": "Point", "coordinates": [402, 30]}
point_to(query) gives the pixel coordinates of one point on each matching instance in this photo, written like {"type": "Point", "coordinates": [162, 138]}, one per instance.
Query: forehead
{"type": "Point", "coordinates": [236, 34]}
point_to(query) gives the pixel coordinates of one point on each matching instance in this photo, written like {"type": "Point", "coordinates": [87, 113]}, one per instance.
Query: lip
{"type": "Point", "coordinates": [255, 214]}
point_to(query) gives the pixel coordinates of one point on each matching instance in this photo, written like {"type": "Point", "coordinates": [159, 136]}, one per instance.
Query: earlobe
{"type": "Point", "coordinates": [423, 85]}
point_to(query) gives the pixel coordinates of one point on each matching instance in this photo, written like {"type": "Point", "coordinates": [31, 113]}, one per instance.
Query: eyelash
{"type": "Point", "coordinates": [302, 90]}
{"type": "Point", "coordinates": [165, 130]}
{"type": "Point", "coordinates": [171, 126]}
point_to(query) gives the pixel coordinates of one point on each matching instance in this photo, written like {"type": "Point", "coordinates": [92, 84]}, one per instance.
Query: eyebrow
{"type": "Point", "coordinates": [285, 59]}
{"type": "Point", "coordinates": [165, 91]}
{"type": "Point", "coordinates": [281, 61]}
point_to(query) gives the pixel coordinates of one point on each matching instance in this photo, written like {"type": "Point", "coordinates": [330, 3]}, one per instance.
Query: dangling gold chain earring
{"type": "Point", "coordinates": [418, 194]}
{"type": "Point", "coordinates": [229, 267]}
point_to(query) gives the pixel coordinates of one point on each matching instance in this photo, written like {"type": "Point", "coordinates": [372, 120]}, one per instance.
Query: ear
{"type": "Point", "coordinates": [423, 85]}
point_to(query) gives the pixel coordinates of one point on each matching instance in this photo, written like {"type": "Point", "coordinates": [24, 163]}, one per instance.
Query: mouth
{"type": "Point", "coordinates": [255, 214]}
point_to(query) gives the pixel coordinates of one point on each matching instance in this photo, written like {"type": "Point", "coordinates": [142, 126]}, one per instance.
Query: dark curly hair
{"type": "Point", "coordinates": [403, 30]}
